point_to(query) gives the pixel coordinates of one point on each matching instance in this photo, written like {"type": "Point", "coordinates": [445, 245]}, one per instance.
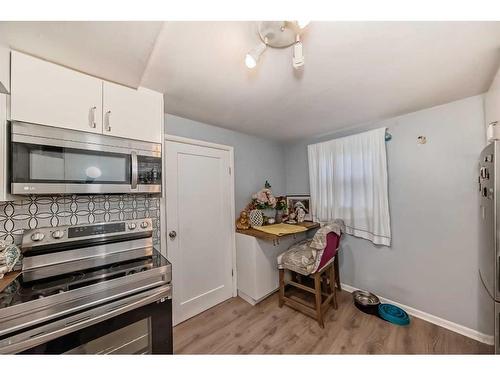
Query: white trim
{"type": "Point", "coordinates": [3, 148]}
{"type": "Point", "coordinates": [233, 218]}
{"type": "Point", "coordinates": [163, 223]}
{"type": "Point", "coordinates": [163, 198]}
{"type": "Point", "coordinates": [252, 301]}
{"type": "Point", "coordinates": [466, 331]}
{"type": "Point", "coordinates": [196, 142]}
{"type": "Point", "coordinates": [230, 149]}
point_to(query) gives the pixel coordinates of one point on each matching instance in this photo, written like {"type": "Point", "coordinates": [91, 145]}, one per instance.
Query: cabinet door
{"type": "Point", "coordinates": [130, 113]}
{"type": "Point", "coordinates": [49, 94]}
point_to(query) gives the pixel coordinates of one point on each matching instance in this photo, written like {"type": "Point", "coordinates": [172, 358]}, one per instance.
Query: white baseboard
{"type": "Point", "coordinates": [476, 335]}
{"type": "Point", "coordinates": [252, 301]}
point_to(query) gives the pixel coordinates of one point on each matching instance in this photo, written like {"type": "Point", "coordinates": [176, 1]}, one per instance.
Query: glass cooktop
{"type": "Point", "coordinates": [20, 291]}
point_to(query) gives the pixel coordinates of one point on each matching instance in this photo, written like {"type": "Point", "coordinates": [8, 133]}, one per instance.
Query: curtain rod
{"type": "Point", "coordinates": [388, 136]}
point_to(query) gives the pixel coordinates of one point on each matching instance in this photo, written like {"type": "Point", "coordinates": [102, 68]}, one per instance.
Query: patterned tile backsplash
{"type": "Point", "coordinates": [46, 211]}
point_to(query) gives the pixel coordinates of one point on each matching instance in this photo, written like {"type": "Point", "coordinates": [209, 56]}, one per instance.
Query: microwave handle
{"type": "Point", "coordinates": [133, 184]}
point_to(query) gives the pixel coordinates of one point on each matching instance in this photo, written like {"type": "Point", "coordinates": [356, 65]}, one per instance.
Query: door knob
{"type": "Point", "coordinates": [172, 234]}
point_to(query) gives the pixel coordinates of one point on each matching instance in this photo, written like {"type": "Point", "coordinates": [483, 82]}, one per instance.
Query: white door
{"type": "Point", "coordinates": [49, 94]}
{"type": "Point", "coordinates": [199, 200]}
{"type": "Point", "coordinates": [130, 113]}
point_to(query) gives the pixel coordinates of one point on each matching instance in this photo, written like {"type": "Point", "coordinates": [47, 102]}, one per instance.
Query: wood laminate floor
{"type": "Point", "coordinates": [235, 327]}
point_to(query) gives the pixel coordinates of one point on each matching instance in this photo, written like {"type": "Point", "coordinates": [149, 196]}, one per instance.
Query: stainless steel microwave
{"type": "Point", "coordinates": [49, 160]}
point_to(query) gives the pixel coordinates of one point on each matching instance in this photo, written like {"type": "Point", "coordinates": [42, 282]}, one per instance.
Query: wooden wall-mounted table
{"type": "Point", "coordinates": [272, 237]}
{"type": "Point", "coordinates": [256, 265]}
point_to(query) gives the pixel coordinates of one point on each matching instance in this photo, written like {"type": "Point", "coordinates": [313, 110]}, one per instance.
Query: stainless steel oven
{"type": "Point", "coordinates": [139, 324]}
{"type": "Point", "coordinates": [92, 288]}
{"type": "Point", "coordinates": [49, 160]}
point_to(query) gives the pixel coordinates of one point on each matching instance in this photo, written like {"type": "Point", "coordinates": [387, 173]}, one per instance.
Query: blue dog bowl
{"type": "Point", "coordinates": [393, 314]}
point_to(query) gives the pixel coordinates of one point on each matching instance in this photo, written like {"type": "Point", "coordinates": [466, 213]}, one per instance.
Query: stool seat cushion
{"type": "Point", "coordinates": [304, 259]}
{"type": "Point", "coordinates": [309, 256]}
{"type": "Point", "coordinates": [300, 258]}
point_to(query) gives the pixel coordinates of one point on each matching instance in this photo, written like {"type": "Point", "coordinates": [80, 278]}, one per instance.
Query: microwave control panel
{"type": "Point", "coordinates": [148, 170]}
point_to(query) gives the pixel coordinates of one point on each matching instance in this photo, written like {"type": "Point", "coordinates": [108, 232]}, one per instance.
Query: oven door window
{"type": "Point", "coordinates": [47, 164]}
{"type": "Point", "coordinates": [132, 339]}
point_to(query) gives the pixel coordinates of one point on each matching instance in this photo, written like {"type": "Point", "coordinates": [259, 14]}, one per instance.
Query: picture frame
{"type": "Point", "coordinates": [305, 199]}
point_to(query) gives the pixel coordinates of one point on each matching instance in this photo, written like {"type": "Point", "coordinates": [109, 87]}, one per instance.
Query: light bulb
{"type": "Point", "coordinates": [302, 24]}
{"type": "Point", "coordinates": [253, 56]}
{"type": "Point", "coordinates": [250, 61]}
{"type": "Point", "coordinates": [298, 55]}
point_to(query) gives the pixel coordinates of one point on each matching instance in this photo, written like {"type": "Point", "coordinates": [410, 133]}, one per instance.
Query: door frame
{"type": "Point", "coordinates": [163, 213]}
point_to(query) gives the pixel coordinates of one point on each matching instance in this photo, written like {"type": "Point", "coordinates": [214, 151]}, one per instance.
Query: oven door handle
{"type": "Point", "coordinates": [133, 156]}
{"type": "Point", "coordinates": [39, 335]}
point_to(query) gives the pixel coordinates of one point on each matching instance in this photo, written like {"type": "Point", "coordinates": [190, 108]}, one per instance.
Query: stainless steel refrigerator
{"type": "Point", "coordinates": [489, 241]}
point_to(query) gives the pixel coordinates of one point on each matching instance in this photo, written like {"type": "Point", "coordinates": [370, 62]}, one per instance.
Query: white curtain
{"type": "Point", "coordinates": [348, 180]}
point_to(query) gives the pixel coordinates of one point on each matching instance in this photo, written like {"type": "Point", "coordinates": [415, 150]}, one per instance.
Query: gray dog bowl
{"type": "Point", "coordinates": [366, 301]}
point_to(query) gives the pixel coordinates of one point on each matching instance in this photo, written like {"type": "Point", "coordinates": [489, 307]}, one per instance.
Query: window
{"type": "Point", "coordinates": [348, 180]}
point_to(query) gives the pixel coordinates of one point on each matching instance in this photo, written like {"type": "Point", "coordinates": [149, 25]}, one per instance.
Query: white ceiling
{"type": "Point", "coordinates": [116, 51]}
{"type": "Point", "coordinates": [355, 72]}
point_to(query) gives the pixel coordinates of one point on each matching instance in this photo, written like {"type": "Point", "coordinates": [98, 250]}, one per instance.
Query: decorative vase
{"type": "Point", "coordinates": [278, 218]}
{"type": "Point", "coordinates": [269, 212]}
{"type": "Point", "coordinates": [256, 218]}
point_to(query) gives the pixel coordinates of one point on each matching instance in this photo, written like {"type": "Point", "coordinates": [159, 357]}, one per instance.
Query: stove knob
{"type": "Point", "coordinates": [132, 226]}
{"type": "Point", "coordinates": [37, 236]}
{"type": "Point", "coordinates": [144, 224]}
{"type": "Point", "coordinates": [58, 234]}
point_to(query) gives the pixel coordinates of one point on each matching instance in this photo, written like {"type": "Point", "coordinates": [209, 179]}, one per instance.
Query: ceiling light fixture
{"type": "Point", "coordinates": [278, 34]}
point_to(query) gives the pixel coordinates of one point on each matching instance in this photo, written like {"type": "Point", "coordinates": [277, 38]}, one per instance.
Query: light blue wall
{"type": "Point", "coordinates": [255, 159]}
{"type": "Point", "coordinates": [432, 264]}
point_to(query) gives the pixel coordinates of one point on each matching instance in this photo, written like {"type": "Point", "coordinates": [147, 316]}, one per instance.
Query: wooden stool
{"type": "Point", "coordinates": [322, 280]}
{"type": "Point", "coordinates": [324, 286]}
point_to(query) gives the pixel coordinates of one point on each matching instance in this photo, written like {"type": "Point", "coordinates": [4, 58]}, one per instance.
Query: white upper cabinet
{"type": "Point", "coordinates": [49, 94]}
{"type": "Point", "coordinates": [131, 113]}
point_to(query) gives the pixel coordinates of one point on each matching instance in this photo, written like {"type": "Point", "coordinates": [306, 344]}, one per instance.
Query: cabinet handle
{"type": "Point", "coordinates": [108, 115]}
{"type": "Point", "coordinates": [92, 117]}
